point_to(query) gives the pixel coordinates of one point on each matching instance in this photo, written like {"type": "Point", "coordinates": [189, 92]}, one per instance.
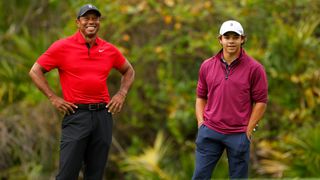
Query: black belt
{"type": "Point", "coordinates": [92, 107]}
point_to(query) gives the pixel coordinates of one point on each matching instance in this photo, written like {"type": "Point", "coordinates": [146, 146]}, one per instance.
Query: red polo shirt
{"type": "Point", "coordinates": [231, 91]}
{"type": "Point", "coordinates": [83, 71]}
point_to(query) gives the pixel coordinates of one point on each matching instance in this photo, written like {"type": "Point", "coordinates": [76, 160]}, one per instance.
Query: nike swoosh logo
{"type": "Point", "coordinates": [101, 50]}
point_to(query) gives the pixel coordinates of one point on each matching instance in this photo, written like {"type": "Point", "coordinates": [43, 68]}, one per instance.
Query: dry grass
{"type": "Point", "coordinates": [29, 140]}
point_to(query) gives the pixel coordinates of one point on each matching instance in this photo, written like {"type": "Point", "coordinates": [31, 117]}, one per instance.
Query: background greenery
{"type": "Point", "coordinates": [166, 41]}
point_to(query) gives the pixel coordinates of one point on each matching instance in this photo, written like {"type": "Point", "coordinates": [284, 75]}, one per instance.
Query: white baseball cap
{"type": "Point", "coordinates": [231, 26]}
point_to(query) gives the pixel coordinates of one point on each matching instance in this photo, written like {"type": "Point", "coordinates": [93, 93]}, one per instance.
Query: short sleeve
{"type": "Point", "coordinates": [118, 58]}
{"type": "Point", "coordinates": [259, 85]}
{"type": "Point", "coordinates": [50, 58]}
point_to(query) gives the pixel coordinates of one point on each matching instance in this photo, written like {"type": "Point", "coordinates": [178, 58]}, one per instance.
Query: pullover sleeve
{"type": "Point", "coordinates": [259, 85]}
{"type": "Point", "coordinates": [202, 88]}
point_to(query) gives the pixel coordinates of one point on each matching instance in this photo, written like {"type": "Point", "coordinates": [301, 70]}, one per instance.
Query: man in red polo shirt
{"type": "Point", "coordinates": [84, 61]}
{"type": "Point", "coordinates": [232, 94]}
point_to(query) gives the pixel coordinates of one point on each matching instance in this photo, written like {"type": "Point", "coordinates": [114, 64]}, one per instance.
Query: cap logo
{"type": "Point", "coordinates": [90, 6]}
{"type": "Point", "coordinates": [231, 24]}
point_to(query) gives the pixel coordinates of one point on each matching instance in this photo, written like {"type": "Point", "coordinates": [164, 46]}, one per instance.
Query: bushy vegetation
{"type": "Point", "coordinates": [166, 41]}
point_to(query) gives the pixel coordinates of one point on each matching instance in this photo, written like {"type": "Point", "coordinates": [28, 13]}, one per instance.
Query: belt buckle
{"type": "Point", "coordinates": [93, 107]}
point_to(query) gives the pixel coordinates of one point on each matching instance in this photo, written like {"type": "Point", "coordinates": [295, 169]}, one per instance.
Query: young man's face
{"type": "Point", "coordinates": [89, 24]}
{"type": "Point", "coordinates": [231, 42]}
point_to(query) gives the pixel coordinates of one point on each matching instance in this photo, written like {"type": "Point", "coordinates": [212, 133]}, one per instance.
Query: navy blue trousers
{"type": "Point", "coordinates": [209, 148]}
{"type": "Point", "coordinates": [85, 140]}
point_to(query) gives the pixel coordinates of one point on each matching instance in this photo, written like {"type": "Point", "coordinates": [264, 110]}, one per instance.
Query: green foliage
{"type": "Point", "coordinates": [304, 145]}
{"type": "Point", "coordinates": [166, 41]}
{"type": "Point", "coordinates": [296, 155]}
{"type": "Point", "coordinates": [148, 164]}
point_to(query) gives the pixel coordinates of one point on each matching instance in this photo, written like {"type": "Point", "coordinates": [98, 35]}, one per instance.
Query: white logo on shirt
{"type": "Point", "coordinates": [101, 50]}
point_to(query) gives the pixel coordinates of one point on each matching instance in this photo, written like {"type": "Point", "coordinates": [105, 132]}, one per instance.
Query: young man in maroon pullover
{"type": "Point", "coordinates": [232, 93]}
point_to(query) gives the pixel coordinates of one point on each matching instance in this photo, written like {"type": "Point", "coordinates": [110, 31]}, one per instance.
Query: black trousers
{"type": "Point", "coordinates": [85, 140]}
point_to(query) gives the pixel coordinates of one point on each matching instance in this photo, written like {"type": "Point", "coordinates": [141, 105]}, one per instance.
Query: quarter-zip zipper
{"type": "Point", "coordinates": [229, 67]}
{"type": "Point", "coordinates": [227, 71]}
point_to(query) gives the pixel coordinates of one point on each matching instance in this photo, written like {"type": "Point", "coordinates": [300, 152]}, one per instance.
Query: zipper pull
{"type": "Point", "coordinates": [227, 71]}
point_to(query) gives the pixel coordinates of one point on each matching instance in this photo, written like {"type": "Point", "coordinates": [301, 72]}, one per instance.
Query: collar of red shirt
{"type": "Point", "coordinates": [80, 39]}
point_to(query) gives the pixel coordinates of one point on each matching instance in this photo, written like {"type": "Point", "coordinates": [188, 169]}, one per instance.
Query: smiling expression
{"type": "Point", "coordinates": [89, 24]}
{"type": "Point", "coordinates": [231, 42]}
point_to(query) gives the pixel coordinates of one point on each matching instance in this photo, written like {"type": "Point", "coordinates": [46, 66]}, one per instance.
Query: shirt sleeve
{"type": "Point", "coordinates": [202, 88]}
{"type": "Point", "coordinates": [118, 58]}
{"type": "Point", "coordinates": [259, 84]}
{"type": "Point", "coordinates": [50, 58]}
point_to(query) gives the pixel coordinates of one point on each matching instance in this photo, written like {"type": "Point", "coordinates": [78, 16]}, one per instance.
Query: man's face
{"type": "Point", "coordinates": [231, 42]}
{"type": "Point", "coordinates": [89, 24]}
